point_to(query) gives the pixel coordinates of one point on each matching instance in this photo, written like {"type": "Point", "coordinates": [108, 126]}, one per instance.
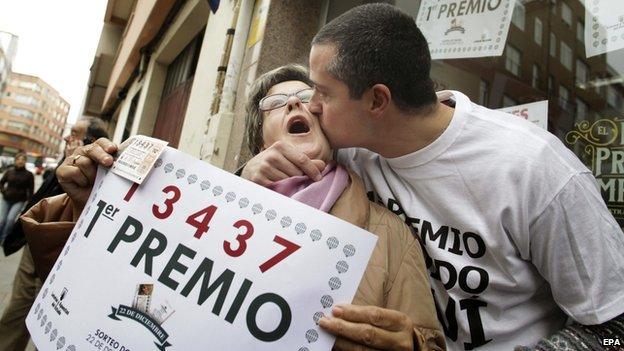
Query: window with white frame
{"type": "Point", "coordinates": [20, 112]}
{"type": "Point", "coordinates": [26, 100]}
{"type": "Point", "coordinates": [582, 72]}
{"type": "Point", "coordinates": [512, 60]}
{"type": "Point", "coordinates": [566, 56]}
{"type": "Point", "coordinates": [19, 126]}
{"type": "Point", "coordinates": [518, 17]}
{"type": "Point", "coordinates": [537, 32]}
{"type": "Point", "coordinates": [553, 45]}
{"type": "Point", "coordinates": [535, 77]}
{"type": "Point", "coordinates": [566, 14]}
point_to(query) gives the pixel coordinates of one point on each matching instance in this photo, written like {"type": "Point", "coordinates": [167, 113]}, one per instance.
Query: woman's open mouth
{"type": "Point", "coordinates": [298, 125]}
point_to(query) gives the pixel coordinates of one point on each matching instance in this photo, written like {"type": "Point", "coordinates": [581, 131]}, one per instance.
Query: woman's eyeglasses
{"type": "Point", "coordinates": [276, 101]}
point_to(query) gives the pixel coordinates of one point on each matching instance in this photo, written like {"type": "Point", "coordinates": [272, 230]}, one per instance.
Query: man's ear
{"type": "Point", "coordinates": [381, 98]}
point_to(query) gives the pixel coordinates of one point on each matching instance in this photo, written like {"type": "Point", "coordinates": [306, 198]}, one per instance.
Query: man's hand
{"type": "Point", "coordinates": [77, 173]}
{"type": "Point", "coordinates": [71, 146]}
{"type": "Point", "coordinates": [280, 161]}
{"type": "Point", "coordinates": [369, 327]}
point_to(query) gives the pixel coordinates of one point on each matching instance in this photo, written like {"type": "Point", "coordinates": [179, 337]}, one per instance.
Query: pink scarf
{"type": "Point", "coordinates": [322, 194]}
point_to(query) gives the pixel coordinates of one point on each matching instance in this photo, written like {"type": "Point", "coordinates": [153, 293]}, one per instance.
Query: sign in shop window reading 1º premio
{"type": "Point", "coordinates": [600, 145]}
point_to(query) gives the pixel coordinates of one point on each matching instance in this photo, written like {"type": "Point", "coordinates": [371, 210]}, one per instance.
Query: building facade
{"type": "Point", "coordinates": [8, 49]}
{"type": "Point", "coordinates": [178, 71]}
{"type": "Point", "coordinates": [32, 117]}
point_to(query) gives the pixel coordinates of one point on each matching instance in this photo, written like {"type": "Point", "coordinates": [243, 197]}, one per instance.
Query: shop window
{"type": "Point", "coordinates": [537, 32]}
{"type": "Point", "coordinates": [553, 45]}
{"type": "Point", "coordinates": [549, 62]}
{"type": "Point", "coordinates": [566, 56]}
{"type": "Point", "coordinates": [513, 60]}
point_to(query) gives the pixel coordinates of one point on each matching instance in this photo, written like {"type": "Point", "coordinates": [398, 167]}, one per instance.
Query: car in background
{"type": "Point", "coordinates": [5, 162]}
{"type": "Point", "coordinates": [30, 167]}
{"type": "Point", "coordinates": [37, 163]}
{"type": "Point", "coordinates": [49, 163]}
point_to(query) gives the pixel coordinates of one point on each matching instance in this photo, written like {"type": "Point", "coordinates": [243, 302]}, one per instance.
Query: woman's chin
{"type": "Point", "coordinates": [314, 149]}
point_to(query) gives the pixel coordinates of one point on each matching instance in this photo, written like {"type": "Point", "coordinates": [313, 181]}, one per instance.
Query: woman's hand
{"type": "Point", "coordinates": [369, 327]}
{"type": "Point", "coordinates": [77, 172]}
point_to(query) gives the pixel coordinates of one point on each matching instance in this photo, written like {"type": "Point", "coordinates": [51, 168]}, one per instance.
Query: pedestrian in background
{"type": "Point", "coordinates": [17, 186]}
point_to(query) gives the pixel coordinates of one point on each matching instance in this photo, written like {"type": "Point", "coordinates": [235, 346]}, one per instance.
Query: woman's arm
{"type": "Point", "coordinates": [395, 309]}
{"type": "Point", "coordinates": [47, 226]}
{"type": "Point", "coordinates": [409, 289]}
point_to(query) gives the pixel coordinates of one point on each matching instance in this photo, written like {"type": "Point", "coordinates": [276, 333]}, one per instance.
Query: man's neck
{"type": "Point", "coordinates": [405, 133]}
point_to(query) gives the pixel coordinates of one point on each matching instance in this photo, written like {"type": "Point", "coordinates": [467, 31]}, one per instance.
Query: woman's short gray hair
{"type": "Point", "coordinates": [262, 85]}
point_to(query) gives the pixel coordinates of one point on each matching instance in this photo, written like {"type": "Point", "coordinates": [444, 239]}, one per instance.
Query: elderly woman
{"type": "Point", "coordinates": [395, 278]}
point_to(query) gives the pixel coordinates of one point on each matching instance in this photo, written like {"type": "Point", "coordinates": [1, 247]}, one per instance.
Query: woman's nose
{"type": "Point", "coordinates": [292, 103]}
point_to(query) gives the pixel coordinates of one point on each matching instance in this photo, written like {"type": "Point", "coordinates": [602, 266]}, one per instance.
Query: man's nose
{"type": "Point", "coordinates": [315, 107]}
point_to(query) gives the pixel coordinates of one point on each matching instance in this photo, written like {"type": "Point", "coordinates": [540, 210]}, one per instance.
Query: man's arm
{"type": "Point", "coordinates": [605, 336]}
{"type": "Point", "coordinates": [577, 246]}
{"type": "Point", "coordinates": [279, 161]}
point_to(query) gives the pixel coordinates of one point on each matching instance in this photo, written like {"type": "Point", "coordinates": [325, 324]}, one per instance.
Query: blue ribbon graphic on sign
{"type": "Point", "coordinates": [143, 319]}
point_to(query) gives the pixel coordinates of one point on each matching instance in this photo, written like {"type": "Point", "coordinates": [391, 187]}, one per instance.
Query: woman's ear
{"type": "Point", "coordinates": [381, 97]}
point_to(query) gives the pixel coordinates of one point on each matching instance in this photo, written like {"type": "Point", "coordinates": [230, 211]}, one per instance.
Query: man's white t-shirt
{"type": "Point", "coordinates": [515, 228]}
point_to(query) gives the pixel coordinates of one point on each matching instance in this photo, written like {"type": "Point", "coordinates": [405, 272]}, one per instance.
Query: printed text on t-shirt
{"type": "Point", "coordinates": [471, 279]}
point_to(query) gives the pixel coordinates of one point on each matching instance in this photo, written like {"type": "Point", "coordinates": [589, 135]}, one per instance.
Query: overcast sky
{"type": "Point", "coordinates": [57, 42]}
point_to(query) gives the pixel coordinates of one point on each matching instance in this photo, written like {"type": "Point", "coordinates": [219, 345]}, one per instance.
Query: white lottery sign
{"type": "Point", "coordinates": [465, 28]}
{"type": "Point", "coordinates": [196, 258]}
{"type": "Point", "coordinates": [536, 112]}
{"type": "Point", "coordinates": [604, 26]}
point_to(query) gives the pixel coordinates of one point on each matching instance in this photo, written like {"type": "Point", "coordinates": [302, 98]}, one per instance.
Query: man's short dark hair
{"type": "Point", "coordinates": [380, 44]}
{"type": "Point", "coordinates": [96, 128]}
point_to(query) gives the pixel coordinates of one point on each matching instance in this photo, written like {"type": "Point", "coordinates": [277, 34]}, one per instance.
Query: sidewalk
{"type": "Point", "coordinates": [8, 266]}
